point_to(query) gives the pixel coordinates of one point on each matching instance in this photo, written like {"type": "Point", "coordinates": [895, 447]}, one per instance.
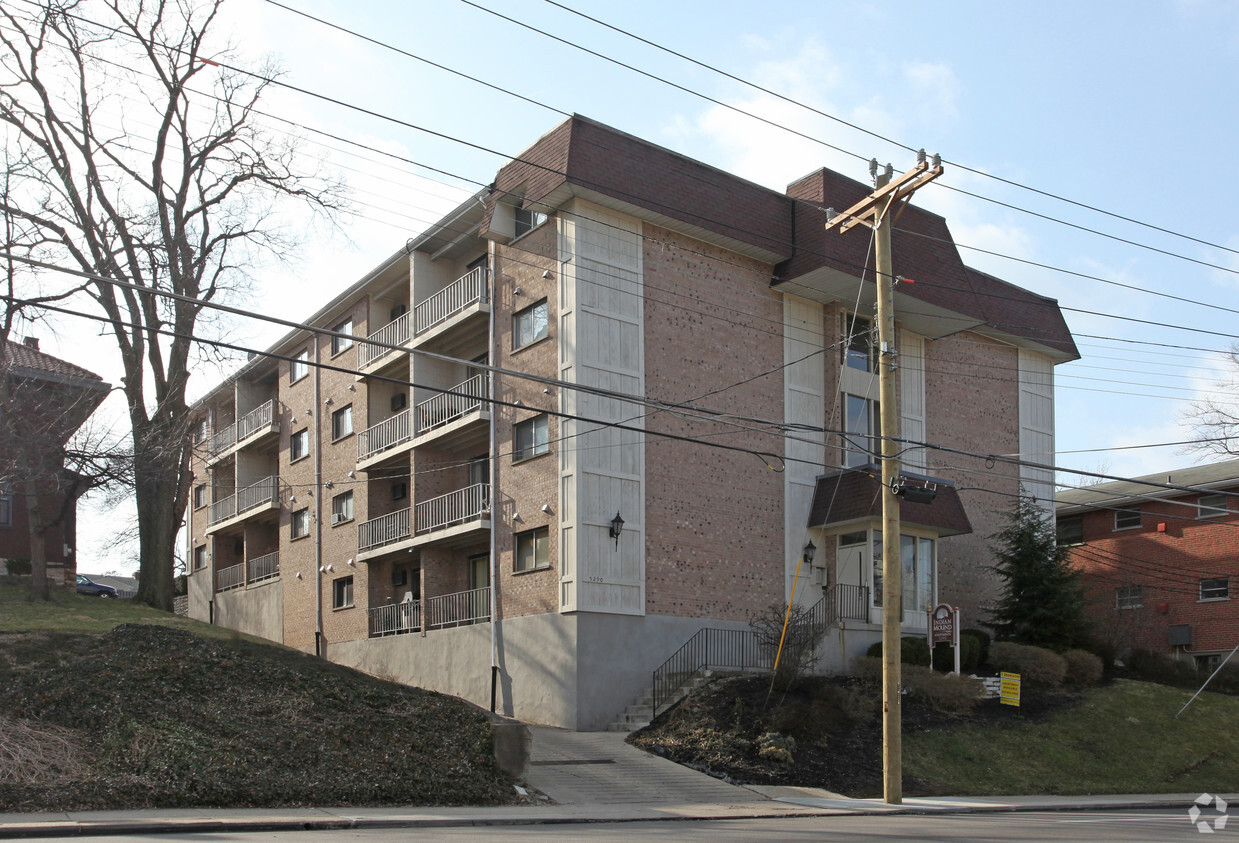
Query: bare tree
{"type": "Point", "coordinates": [137, 161]}
{"type": "Point", "coordinates": [1215, 419]}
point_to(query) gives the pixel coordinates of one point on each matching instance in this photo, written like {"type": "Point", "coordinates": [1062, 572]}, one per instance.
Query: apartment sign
{"type": "Point", "coordinates": [942, 625]}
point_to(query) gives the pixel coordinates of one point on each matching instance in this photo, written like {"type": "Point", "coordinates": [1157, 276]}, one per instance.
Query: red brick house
{"type": "Point", "coordinates": [45, 400]}
{"type": "Point", "coordinates": [430, 491]}
{"type": "Point", "coordinates": [1160, 563]}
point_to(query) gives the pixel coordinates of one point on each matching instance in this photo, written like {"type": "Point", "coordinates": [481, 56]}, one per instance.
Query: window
{"type": "Point", "coordinates": [858, 347]}
{"type": "Point", "coordinates": [200, 496]}
{"type": "Point", "coordinates": [342, 422]}
{"type": "Point", "coordinates": [529, 325]}
{"type": "Point", "coordinates": [1071, 530]}
{"type": "Point", "coordinates": [300, 365]}
{"type": "Point", "coordinates": [339, 344]}
{"type": "Point", "coordinates": [200, 557]}
{"type": "Point", "coordinates": [861, 428]}
{"type": "Point", "coordinates": [301, 523]}
{"type": "Point", "coordinates": [201, 425]}
{"type": "Point", "coordinates": [6, 511]}
{"type": "Point", "coordinates": [917, 555]}
{"type": "Point", "coordinates": [529, 438]}
{"type": "Point", "coordinates": [1127, 519]}
{"type": "Point", "coordinates": [342, 593]}
{"type": "Point", "coordinates": [533, 549]}
{"type": "Point", "coordinates": [528, 219]}
{"type": "Point", "coordinates": [1208, 662]}
{"type": "Point", "coordinates": [1216, 588]}
{"type": "Point", "coordinates": [1212, 506]}
{"type": "Point", "coordinates": [342, 508]}
{"type": "Point", "coordinates": [1128, 597]}
{"type": "Point", "coordinates": [298, 445]}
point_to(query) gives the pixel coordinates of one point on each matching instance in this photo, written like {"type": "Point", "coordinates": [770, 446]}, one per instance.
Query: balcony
{"type": "Point", "coordinates": [395, 332]}
{"type": "Point", "coordinates": [449, 414]}
{"type": "Point", "coordinates": [251, 426]}
{"type": "Point", "coordinates": [441, 313]}
{"type": "Point", "coordinates": [259, 497]}
{"type": "Point", "coordinates": [448, 610]}
{"type": "Point", "coordinates": [451, 301]}
{"type": "Point", "coordinates": [452, 517]}
{"type": "Point", "coordinates": [256, 570]}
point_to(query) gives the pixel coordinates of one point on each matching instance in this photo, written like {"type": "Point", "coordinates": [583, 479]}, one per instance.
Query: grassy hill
{"type": "Point", "coordinates": [1121, 737]}
{"type": "Point", "coordinates": [106, 704]}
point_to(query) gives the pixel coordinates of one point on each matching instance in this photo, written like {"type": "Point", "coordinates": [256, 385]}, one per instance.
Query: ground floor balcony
{"type": "Point", "coordinates": [456, 516]}
{"type": "Point", "coordinates": [447, 610]}
{"type": "Point", "coordinates": [248, 502]}
{"type": "Point", "coordinates": [254, 571]}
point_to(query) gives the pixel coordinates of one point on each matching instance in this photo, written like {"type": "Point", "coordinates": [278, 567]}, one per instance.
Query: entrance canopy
{"type": "Point", "coordinates": [854, 495]}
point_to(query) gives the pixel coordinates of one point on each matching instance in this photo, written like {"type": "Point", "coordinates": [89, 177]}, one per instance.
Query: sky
{"type": "Point", "coordinates": [1125, 109]}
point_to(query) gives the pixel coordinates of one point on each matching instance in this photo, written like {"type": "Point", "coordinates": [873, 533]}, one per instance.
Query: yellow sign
{"type": "Point", "coordinates": [1009, 692]}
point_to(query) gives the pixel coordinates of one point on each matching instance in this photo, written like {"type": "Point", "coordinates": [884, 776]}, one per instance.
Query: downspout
{"type": "Point", "coordinates": [318, 504]}
{"type": "Point", "coordinates": [494, 486]}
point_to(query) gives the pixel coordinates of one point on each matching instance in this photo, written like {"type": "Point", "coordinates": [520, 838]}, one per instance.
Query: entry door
{"type": "Point", "coordinates": [479, 577]}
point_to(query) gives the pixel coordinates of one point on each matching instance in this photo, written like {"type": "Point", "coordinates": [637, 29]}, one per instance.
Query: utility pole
{"type": "Point", "coordinates": [882, 206]}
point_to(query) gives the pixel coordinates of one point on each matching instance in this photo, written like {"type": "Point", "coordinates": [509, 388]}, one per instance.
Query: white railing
{"type": "Point", "coordinates": [384, 530]}
{"type": "Point", "coordinates": [468, 504]}
{"type": "Point", "coordinates": [384, 435]}
{"type": "Point", "coordinates": [222, 440]}
{"type": "Point", "coordinates": [396, 618]}
{"type": "Point", "coordinates": [257, 494]}
{"type": "Point", "coordinates": [452, 299]}
{"type": "Point", "coordinates": [457, 609]}
{"type": "Point", "coordinates": [264, 567]}
{"type": "Point", "coordinates": [395, 332]}
{"type": "Point", "coordinates": [445, 408]}
{"type": "Point", "coordinates": [231, 577]}
{"type": "Point", "coordinates": [256, 420]}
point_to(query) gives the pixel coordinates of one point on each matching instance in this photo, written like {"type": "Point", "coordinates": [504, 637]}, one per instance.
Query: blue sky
{"type": "Point", "coordinates": [1125, 107]}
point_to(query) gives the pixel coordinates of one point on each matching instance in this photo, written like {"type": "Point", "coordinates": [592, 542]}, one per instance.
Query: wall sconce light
{"type": "Point", "coordinates": [516, 291]}
{"type": "Point", "coordinates": [329, 401]}
{"type": "Point", "coordinates": [292, 499]}
{"type": "Point", "coordinates": [298, 575]}
{"type": "Point", "coordinates": [330, 484]}
{"type": "Point", "coordinates": [292, 420]}
{"type": "Point", "coordinates": [546, 507]}
{"type": "Point", "coordinates": [546, 273]}
{"type": "Point", "coordinates": [350, 563]}
{"type": "Point", "coordinates": [352, 387]}
{"type": "Point", "coordinates": [617, 526]}
{"type": "Point", "coordinates": [352, 474]}
{"type": "Point", "coordinates": [322, 570]}
{"type": "Point", "coordinates": [331, 568]}
{"type": "Point", "coordinates": [516, 517]}
{"type": "Point", "coordinates": [309, 411]}
{"type": "Point", "coordinates": [809, 551]}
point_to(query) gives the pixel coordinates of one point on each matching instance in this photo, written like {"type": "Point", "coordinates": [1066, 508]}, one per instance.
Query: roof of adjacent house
{"type": "Point", "coordinates": [1176, 483]}
{"type": "Point", "coordinates": [855, 495]}
{"type": "Point", "coordinates": [28, 360]}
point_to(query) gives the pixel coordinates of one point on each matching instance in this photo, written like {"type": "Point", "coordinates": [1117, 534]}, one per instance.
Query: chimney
{"type": "Point", "coordinates": [31, 342]}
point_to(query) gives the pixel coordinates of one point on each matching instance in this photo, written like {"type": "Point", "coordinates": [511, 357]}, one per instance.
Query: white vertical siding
{"type": "Point", "coordinates": [912, 398]}
{"type": "Point", "coordinates": [804, 402]}
{"type": "Point", "coordinates": [1037, 426]}
{"type": "Point", "coordinates": [602, 469]}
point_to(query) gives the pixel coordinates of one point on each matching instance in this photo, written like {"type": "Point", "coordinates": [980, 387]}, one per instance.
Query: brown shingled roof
{"type": "Point", "coordinates": [26, 357]}
{"type": "Point", "coordinates": [856, 495]}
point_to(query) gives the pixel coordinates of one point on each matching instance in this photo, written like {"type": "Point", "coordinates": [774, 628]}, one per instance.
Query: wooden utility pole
{"type": "Point", "coordinates": [890, 195]}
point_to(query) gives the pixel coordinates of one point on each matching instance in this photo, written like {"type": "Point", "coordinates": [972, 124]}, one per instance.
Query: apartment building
{"type": "Point", "coordinates": [599, 407]}
{"type": "Point", "coordinates": [1158, 556]}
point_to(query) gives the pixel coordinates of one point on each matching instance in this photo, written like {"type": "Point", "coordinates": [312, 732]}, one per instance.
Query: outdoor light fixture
{"type": "Point", "coordinates": [617, 526]}
{"type": "Point", "coordinates": [329, 401]}
{"type": "Point", "coordinates": [914, 494]}
{"type": "Point", "coordinates": [809, 551]}
{"type": "Point", "coordinates": [516, 291]}
{"type": "Point", "coordinates": [546, 273]}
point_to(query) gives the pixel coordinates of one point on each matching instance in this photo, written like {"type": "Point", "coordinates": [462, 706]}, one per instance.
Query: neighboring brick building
{"type": "Point", "coordinates": [636, 307]}
{"type": "Point", "coordinates": [44, 401]}
{"type": "Point", "coordinates": [1161, 564]}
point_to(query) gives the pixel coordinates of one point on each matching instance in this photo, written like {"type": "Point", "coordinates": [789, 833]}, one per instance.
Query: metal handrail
{"type": "Point", "coordinates": [395, 332]}
{"type": "Point", "coordinates": [384, 530]}
{"type": "Point", "coordinates": [463, 607]}
{"type": "Point", "coordinates": [384, 436]}
{"type": "Point", "coordinates": [724, 649]}
{"type": "Point", "coordinates": [251, 496]}
{"type": "Point", "coordinates": [395, 618]}
{"type": "Point", "coordinates": [255, 420]}
{"type": "Point", "coordinates": [264, 567]}
{"type": "Point", "coordinates": [452, 299]}
{"type": "Point", "coordinates": [446, 407]}
{"type": "Point", "coordinates": [468, 504]}
{"type": "Point", "coordinates": [231, 577]}
{"type": "Point", "coordinates": [851, 602]}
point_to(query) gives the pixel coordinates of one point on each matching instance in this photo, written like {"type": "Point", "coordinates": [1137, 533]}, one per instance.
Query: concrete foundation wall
{"type": "Point", "coordinates": [257, 610]}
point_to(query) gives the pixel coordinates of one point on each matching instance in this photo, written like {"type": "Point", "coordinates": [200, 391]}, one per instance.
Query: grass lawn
{"type": "Point", "coordinates": [69, 611]}
{"type": "Point", "coordinates": [1121, 738]}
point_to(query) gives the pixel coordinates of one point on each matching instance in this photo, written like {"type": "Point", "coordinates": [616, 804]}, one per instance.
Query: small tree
{"type": "Point", "coordinates": [1043, 601]}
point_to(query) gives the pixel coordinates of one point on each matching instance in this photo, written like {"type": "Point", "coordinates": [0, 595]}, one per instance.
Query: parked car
{"type": "Point", "coordinates": [86, 586]}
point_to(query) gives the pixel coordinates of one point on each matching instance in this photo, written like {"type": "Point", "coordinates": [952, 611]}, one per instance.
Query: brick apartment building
{"type": "Point", "coordinates": [1159, 562]}
{"type": "Point", "coordinates": [612, 332]}
{"type": "Point", "coordinates": [46, 401]}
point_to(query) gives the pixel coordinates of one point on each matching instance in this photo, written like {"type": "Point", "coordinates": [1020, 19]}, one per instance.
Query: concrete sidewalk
{"type": "Point", "coordinates": [576, 777]}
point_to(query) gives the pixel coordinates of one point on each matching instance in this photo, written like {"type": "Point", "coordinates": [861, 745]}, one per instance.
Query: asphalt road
{"type": "Point", "coordinates": [1135, 826]}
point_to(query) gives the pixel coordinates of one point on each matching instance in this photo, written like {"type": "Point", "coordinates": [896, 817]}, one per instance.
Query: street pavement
{"type": "Point", "coordinates": [574, 777]}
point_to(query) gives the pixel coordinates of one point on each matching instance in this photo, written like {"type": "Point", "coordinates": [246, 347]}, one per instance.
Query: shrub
{"type": "Point", "coordinates": [18, 567]}
{"type": "Point", "coordinates": [1162, 669]}
{"type": "Point", "coordinates": [868, 669]}
{"type": "Point", "coordinates": [911, 651]}
{"type": "Point", "coordinates": [950, 694]}
{"type": "Point", "coordinates": [982, 638]}
{"type": "Point", "coordinates": [1035, 665]}
{"type": "Point", "coordinates": [1226, 681]}
{"type": "Point", "coordinates": [1083, 668]}
{"type": "Point", "coordinates": [849, 704]}
{"type": "Point", "coordinates": [775, 747]}
{"type": "Point", "coordinates": [969, 655]}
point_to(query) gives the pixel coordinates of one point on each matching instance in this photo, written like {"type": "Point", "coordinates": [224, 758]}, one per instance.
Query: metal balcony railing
{"type": "Point", "coordinates": [231, 577]}
{"type": "Point", "coordinates": [259, 493]}
{"type": "Point", "coordinates": [449, 301]}
{"type": "Point", "coordinates": [257, 419]}
{"type": "Point", "coordinates": [263, 568]}
{"type": "Point", "coordinates": [468, 504]}
{"type": "Point", "coordinates": [463, 607]}
{"type": "Point", "coordinates": [445, 408]}
{"type": "Point", "coordinates": [384, 530]}
{"type": "Point", "coordinates": [395, 332]}
{"type": "Point", "coordinates": [396, 618]}
{"type": "Point", "coordinates": [384, 435]}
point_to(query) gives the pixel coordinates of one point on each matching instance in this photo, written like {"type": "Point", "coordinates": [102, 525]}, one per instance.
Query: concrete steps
{"type": "Point", "coordinates": [638, 714]}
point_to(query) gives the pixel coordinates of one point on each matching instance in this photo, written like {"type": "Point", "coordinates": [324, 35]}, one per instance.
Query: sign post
{"type": "Point", "coordinates": [944, 628]}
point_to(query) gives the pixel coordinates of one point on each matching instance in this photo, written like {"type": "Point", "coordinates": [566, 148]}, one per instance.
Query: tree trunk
{"type": "Point", "coordinates": [38, 549]}
{"type": "Point", "coordinates": [159, 468]}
